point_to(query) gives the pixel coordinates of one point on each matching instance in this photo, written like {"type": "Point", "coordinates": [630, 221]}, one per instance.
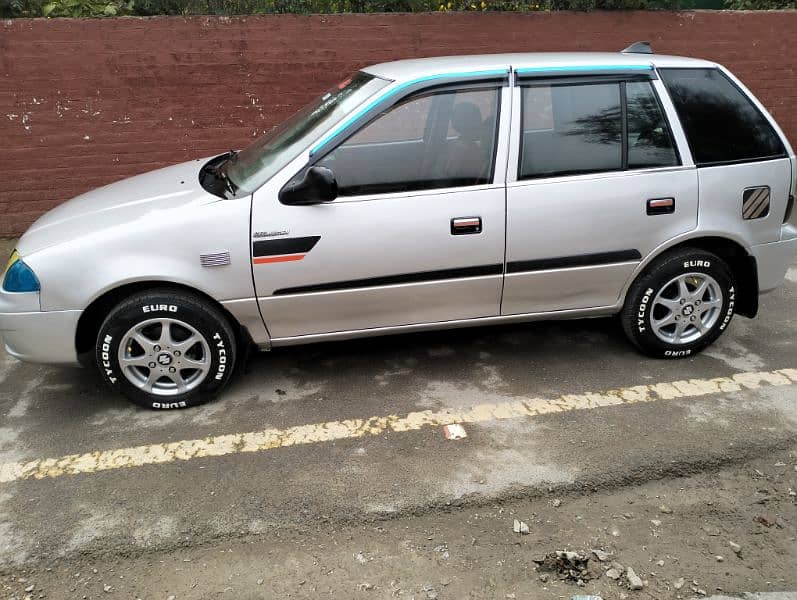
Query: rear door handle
{"type": "Point", "coordinates": [466, 225]}
{"type": "Point", "coordinates": [661, 206]}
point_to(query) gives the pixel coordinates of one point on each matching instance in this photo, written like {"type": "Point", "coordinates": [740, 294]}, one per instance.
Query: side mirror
{"type": "Point", "coordinates": [317, 186]}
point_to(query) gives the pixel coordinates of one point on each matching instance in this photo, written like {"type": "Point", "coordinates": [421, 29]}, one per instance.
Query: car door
{"type": "Point", "coordinates": [598, 183]}
{"type": "Point", "coordinates": [416, 234]}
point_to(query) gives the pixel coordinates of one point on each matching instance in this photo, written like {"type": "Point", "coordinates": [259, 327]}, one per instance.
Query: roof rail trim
{"type": "Point", "coordinates": [581, 69]}
{"type": "Point", "coordinates": [392, 91]}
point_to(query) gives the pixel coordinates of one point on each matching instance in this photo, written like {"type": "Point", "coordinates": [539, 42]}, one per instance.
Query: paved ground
{"type": "Point", "coordinates": [340, 440]}
{"type": "Point", "coordinates": [711, 533]}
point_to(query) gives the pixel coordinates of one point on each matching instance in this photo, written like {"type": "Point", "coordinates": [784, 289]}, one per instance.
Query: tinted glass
{"type": "Point", "coordinates": [570, 129]}
{"type": "Point", "coordinates": [721, 124]}
{"type": "Point", "coordinates": [649, 141]}
{"type": "Point", "coordinates": [405, 123]}
{"type": "Point", "coordinates": [445, 139]}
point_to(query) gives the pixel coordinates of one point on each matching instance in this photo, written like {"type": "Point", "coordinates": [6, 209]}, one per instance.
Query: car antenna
{"type": "Point", "coordinates": [639, 48]}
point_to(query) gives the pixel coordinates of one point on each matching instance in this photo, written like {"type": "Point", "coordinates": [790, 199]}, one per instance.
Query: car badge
{"type": "Point", "coordinates": [266, 234]}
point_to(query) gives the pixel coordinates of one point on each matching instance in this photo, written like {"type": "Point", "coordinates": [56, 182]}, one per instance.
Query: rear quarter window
{"type": "Point", "coordinates": [721, 123]}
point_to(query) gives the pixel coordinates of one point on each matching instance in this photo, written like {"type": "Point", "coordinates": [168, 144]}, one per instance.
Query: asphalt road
{"type": "Point", "coordinates": [724, 532]}
{"type": "Point", "coordinates": [521, 392]}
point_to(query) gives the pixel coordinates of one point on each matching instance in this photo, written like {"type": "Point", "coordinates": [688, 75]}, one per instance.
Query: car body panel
{"type": "Point", "coordinates": [549, 290]}
{"type": "Point", "coordinates": [396, 235]}
{"type": "Point", "coordinates": [775, 258]}
{"type": "Point", "coordinates": [559, 315]}
{"type": "Point", "coordinates": [403, 70]}
{"type": "Point", "coordinates": [151, 228]}
{"type": "Point", "coordinates": [23, 334]}
{"type": "Point", "coordinates": [387, 237]}
{"type": "Point", "coordinates": [721, 198]}
{"type": "Point", "coordinates": [116, 204]}
{"type": "Point", "coordinates": [577, 218]}
{"type": "Point", "coordinates": [383, 306]}
{"type": "Point", "coordinates": [559, 218]}
{"type": "Point", "coordinates": [159, 237]}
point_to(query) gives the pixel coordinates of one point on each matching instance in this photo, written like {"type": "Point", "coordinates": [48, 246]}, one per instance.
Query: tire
{"type": "Point", "coordinates": [164, 349]}
{"type": "Point", "coordinates": [658, 305]}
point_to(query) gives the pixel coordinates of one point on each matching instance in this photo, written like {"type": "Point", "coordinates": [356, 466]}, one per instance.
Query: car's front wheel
{"type": "Point", "coordinates": [681, 304]}
{"type": "Point", "coordinates": [165, 349]}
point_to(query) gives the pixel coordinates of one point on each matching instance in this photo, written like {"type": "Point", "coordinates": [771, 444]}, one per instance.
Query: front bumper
{"type": "Point", "coordinates": [42, 337]}
{"type": "Point", "coordinates": [775, 258]}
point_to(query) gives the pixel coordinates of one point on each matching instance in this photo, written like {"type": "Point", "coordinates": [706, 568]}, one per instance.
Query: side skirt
{"type": "Point", "coordinates": [581, 313]}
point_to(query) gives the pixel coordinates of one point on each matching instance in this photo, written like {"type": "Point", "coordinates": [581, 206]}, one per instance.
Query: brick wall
{"type": "Point", "coordinates": [86, 102]}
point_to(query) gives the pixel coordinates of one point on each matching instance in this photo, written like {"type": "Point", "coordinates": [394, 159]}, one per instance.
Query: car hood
{"type": "Point", "coordinates": [139, 198]}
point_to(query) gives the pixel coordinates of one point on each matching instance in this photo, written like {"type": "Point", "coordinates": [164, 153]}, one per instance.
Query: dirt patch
{"type": "Point", "coordinates": [728, 532]}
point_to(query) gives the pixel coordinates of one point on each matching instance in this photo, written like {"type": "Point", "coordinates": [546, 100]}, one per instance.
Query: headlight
{"type": "Point", "coordinates": [19, 277]}
{"type": "Point", "coordinates": [12, 259]}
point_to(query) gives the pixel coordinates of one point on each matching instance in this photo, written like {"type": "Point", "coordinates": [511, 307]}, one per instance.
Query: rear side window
{"type": "Point", "coordinates": [721, 124]}
{"type": "Point", "coordinates": [650, 143]}
{"type": "Point", "coordinates": [579, 127]}
{"type": "Point", "coordinates": [569, 129]}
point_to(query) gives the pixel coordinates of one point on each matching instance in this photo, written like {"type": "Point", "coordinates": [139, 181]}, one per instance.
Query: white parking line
{"type": "Point", "coordinates": [315, 433]}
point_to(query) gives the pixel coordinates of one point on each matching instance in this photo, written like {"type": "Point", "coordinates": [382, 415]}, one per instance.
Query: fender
{"type": "Point", "coordinates": [744, 267]}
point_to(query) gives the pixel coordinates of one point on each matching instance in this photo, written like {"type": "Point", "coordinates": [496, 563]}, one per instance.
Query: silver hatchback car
{"type": "Point", "coordinates": [423, 194]}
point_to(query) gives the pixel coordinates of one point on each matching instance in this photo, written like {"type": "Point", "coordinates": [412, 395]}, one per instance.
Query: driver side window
{"type": "Point", "coordinates": [428, 141]}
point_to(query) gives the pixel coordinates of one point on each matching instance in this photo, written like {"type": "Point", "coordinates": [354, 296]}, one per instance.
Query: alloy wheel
{"type": "Point", "coordinates": [686, 308]}
{"type": "Point", "coordinates": [164, 357]}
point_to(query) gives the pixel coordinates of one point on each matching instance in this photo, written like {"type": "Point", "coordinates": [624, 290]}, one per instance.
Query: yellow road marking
{"type": "Point", "coordinates": [315, 433]}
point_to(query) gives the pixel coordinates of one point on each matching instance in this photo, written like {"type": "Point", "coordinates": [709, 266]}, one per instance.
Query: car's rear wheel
{"type": "Point", "coordinates": [165, 349]}
{"type": "Point", "coordinates": [681, 304]}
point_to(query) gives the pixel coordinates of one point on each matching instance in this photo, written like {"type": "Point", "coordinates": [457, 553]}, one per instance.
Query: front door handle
{"type": "Point", "coordinates": [661, 206]}
{"type": "Point", "coordinates": [466, 225]}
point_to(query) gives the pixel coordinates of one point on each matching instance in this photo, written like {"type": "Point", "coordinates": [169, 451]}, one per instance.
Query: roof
{"type": "Point", "coordinates": [403, 70]}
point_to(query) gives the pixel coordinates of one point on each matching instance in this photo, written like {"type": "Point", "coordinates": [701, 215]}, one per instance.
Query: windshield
{"type": "Point", "coordinates": [255, 165]}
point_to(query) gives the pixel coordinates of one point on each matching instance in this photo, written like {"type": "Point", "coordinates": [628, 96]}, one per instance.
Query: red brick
{"type": "Point", "coordinates": [119, 81]}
